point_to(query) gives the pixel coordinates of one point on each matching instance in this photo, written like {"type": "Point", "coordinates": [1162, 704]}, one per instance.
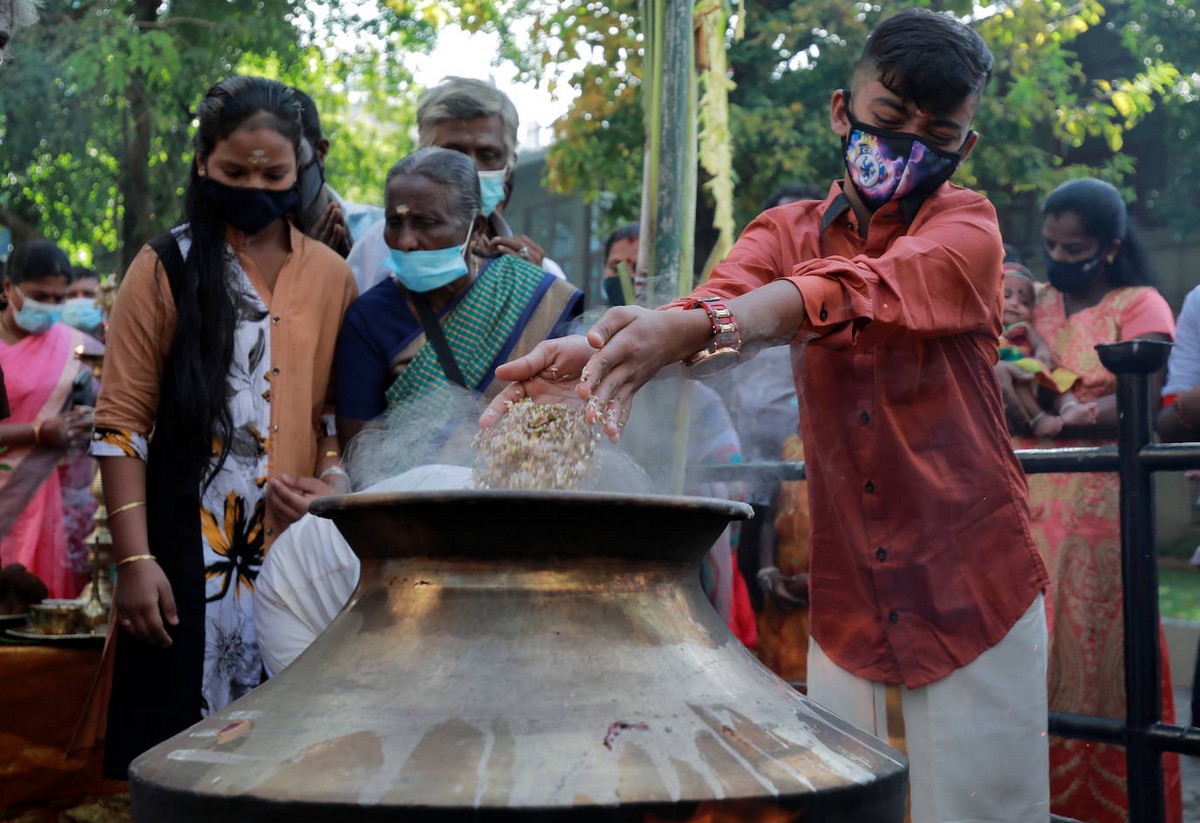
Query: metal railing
{"type": "Point", "coordinates": [1135, 458]}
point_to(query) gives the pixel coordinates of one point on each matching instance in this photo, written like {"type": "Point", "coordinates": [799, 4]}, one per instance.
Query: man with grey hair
{"type": "Point", "coordinates": [14, 16]}
{"type": "Point", "coordinates": [475, 118]}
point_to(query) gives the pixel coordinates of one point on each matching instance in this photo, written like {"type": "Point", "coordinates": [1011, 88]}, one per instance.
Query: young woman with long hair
{"type": "Point", "coordinates": [213, 426]}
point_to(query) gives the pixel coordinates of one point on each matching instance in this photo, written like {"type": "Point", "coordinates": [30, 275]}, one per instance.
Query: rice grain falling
{"type": "Point", "coordinates": [535, 446]}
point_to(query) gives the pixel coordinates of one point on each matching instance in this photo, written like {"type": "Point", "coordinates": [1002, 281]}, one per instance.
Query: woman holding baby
{"type": "Point", "coordinates": [1101, 290]}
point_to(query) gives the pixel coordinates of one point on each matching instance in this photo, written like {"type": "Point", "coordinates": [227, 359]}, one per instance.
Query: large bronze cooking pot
{"type": "Point", "coordinates": [525, 656]}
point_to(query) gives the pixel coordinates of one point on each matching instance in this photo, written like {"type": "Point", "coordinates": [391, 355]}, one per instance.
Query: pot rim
{"type": "Point", "coordinates": [329, 505]}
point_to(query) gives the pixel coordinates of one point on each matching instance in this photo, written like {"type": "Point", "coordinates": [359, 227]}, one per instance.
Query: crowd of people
{"type": "Point", "coordinates": [876, 328]}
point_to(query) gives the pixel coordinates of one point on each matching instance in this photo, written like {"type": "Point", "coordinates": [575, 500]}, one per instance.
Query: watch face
{"type": "Point", "coordinates": [713, 361]}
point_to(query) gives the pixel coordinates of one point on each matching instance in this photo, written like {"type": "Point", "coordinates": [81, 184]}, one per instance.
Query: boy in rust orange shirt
{"type": "Point", "coordinates": [928, 625]}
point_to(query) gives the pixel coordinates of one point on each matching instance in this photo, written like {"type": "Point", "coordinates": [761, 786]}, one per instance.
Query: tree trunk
{"type": "Point", "coordinates": [669, 202]}
{"type": "Point", "coordinates": [134, 184]}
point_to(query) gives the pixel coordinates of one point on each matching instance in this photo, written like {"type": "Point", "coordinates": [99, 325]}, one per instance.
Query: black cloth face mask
{"type": "Point", "coordinates": [312, 181]}
{"type": "Point", "coordinates": [1071, 278]}
{"type": "Point", "coordinates": [249, 210]}
{"type": "Point", "coordinates": [612, 291]}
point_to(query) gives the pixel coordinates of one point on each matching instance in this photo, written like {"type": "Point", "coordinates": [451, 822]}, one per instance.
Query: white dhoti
{"type": "Point", "coordinates": [310, 572]}
{"type": "Point", "coordinates": [975, 740]}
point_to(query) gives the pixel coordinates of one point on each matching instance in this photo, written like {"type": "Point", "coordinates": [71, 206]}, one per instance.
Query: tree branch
{"type": "Point", "coordinates": [176, 21]}
{"type": "Point", "coordinates": [21, 228]}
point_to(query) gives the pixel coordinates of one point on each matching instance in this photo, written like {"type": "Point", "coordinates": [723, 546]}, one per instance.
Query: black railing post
{"type": "Point", "coordinates": [1133, 362]}
{"type": "Point", "coordinates": [1142, 732]}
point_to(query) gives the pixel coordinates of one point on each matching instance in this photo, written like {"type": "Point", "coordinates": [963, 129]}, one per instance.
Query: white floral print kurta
{"type": "Point", "coordinates": [231, 505]}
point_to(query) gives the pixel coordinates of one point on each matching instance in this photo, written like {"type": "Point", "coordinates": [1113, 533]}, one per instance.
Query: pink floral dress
{"type": "Point", "coordinates": [1076, 524]}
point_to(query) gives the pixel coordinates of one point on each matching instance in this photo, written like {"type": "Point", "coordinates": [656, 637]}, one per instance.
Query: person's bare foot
{"type": "Point", "coordinates": [1046, 425]}
{"type": "Point", "coordinates": [1080, 414]}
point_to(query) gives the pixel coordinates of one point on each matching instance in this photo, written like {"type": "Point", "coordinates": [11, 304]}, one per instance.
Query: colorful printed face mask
{"type": "Point", "coordinates": [893, 165]}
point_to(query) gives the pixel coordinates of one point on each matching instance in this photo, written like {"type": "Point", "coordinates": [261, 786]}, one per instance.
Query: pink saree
{"type": "Point", "coordinates": [38, 373]}
{"type": "Point", "coordinates": [1076, 524]}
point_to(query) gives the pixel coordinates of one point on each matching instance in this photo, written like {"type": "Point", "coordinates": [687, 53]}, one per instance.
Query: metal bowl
{"type": "Point", "coordinates": [55, 617]}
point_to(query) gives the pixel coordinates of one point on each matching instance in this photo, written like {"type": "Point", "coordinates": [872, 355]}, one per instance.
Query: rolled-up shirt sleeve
{"type": "Point", "coordinates": [941, 278]}
{"type": "Point", "coordinates": [139, 339]}
{"type": "Point", "coordinates": [938, 276]}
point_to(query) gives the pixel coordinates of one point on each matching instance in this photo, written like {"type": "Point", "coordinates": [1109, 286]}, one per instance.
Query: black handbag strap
{"type": "Point", "coordinates": [437, 338]}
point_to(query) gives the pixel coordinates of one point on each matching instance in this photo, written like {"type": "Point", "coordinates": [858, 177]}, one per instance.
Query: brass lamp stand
{"type": "Point", "coordinates": [97, 595]}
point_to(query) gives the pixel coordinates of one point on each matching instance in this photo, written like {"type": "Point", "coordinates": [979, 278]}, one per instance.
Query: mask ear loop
{"type": "Point", "coordinates": [469, 250]}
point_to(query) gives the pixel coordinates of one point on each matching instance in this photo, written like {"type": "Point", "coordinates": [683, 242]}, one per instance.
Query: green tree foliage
{"type": "Point", "coordinates": [1044, 111]}
{"type": "Point", "coordinates": [97, 101]}
{"type": "Point", "coordinates": [97, 105]}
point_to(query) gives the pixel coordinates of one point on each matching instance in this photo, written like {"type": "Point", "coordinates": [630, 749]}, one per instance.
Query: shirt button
{"type": "Point", "coordinates": [893, 617]}
{"type": "Point", "coordinates": [870, 487]}
{"type": "Point", "coordinates": [275, 427]}
{"type": "Point", "coordinates": [865, 417]}
{"type": "Point", "coordinates": [824, 314]}
{"type": "Point", "coordinates": [275, 370]}
{"type": "Point", "coordinates": [881, 553]}
{"type": "Point", "coordinates": [271, 533]}
{"type": "Point", "coordinates": [275, 319]}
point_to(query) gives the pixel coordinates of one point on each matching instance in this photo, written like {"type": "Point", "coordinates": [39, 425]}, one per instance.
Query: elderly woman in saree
{"type": "Point", "coordinates": [445, 316]}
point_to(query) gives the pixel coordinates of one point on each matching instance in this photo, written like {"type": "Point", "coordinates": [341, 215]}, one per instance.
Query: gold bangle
{"type": "Point", "coordinates": [126, 507]}
{"type": "Point", "coordinates": [331, 454]}
{"type": "Point", "coordinates": [37, 433]}
{"type": "Point", "coordinates": [134, 558]}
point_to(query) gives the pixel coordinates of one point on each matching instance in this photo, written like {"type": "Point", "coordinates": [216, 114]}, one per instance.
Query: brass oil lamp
{"type": "Point", "coordinates": [97, 594]}
{"type": "Point", "coordinates": [524, 656]}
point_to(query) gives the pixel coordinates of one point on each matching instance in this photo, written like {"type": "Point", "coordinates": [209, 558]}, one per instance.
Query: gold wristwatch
{"type": "Point", "coordinates": [725, 350]}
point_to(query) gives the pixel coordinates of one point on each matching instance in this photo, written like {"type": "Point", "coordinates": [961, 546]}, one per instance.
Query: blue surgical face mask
{"type": "Point", "coordinates": [491, 189]}
{"type": "Point", "coordinates": [34, 316]}
{"type": "Point", "coordinates": [82, 313]}
{"type": "Point", "coordinates": [424, 271]}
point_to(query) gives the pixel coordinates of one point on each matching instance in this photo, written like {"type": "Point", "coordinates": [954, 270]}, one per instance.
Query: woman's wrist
{"type": "Point", "coordinates": [335, 477]}
{"type": "Point", "coordinates": [16, 434]}
{"type": "Point", "coordinates": [135, 558]}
